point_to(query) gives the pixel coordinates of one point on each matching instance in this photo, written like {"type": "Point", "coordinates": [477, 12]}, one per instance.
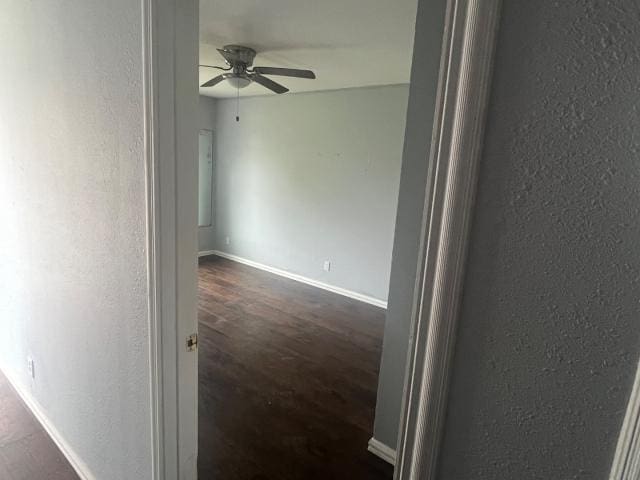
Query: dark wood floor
{"type": "Point", "coordinates": [26, 451]}
{"type": "Point", "coordinates": [288, 378]}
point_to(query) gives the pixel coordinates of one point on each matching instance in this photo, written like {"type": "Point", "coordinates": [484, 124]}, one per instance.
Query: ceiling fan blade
{"type": "Point", "coordinates": [214, 81]}
{"type": "Point", "coordinates": [268, 83]}
{"type": "Point", "coordinates": [226, 69]}
{"type": "Point", "coordinates": [286, 72]}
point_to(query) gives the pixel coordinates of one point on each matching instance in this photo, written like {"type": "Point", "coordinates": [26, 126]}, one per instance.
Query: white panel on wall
{"type": "Point", "coordinates": [205, 178]}
{"type": "Point", "coordinates": [206, 121]}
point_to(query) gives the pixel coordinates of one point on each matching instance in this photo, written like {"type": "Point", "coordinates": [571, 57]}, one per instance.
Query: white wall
{"type": "Point", "coordinates": [311, 177]}
{"type": "Point", "coordinates": [72, 249]}
{"type": "Point", "coordinates": [207, 121]}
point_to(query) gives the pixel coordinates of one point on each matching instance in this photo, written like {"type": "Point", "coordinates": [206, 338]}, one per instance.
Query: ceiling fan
{"type": "Point", "coordinates": [239, 61]}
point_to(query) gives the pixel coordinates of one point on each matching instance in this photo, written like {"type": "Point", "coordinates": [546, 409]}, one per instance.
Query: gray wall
{"type": "Point", "coordinates": [207, 121]}
{"type": "Point", "coordinates": [73, 262]}
{"type": "Point", "coordinates": [548, 338]}
{"type": "Point", "coordinates": [312, 177]}
{"type": "Point", "coordinates": [424, 80]}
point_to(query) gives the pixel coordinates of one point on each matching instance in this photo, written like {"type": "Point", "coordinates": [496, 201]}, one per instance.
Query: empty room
{"type": "Point", "coordinates": [302, 120]}
{"type": "Point", "coordinates": [319, 240]}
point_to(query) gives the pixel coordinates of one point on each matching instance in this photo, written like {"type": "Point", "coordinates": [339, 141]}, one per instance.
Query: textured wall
{"type": "Point", "coordinates": [207, 121]}
{"type": "Point", "coordinates": [415, 159]}
{"type": "Point", "coordinates": [548, 339]}
{"type": "Point", "coordinates": [311, 177]}
{"type": "Point", "coordinates": [72, 249]}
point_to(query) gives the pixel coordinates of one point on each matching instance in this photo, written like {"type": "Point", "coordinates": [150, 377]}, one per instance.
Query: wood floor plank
{"type": "Point", "coordinates": [288, 378]}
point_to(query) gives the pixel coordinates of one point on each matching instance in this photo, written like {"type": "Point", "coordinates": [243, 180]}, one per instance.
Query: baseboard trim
{"type": "Point", "coordinates": [385, 452]}
{"type": "Point", "coordinates": [299, 278]}
{"type": "Point", "coordinates": [76, 463]}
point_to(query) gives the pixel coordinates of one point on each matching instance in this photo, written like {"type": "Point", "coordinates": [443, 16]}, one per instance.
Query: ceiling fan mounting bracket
{"type": "Point", "coordinates": [238, 55]}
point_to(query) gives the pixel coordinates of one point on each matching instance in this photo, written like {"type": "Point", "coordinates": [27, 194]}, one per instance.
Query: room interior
{"type": "Point", "coordinates": [543, 382]}
{"type": "Point", "coordinates": [298, 194]}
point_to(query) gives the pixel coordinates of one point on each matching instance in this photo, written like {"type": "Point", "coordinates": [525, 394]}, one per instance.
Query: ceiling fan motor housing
{"type": "Point", "coordinates": [238, 55]}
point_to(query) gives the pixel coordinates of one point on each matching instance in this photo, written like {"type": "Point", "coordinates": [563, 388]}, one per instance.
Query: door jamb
{"type": "Point", "coordinates": [169, 51]}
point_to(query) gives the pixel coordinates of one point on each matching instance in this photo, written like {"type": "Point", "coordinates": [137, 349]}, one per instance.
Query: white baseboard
{"type": "Point", "coordinates": [299, 278]}
{"type": "Point", "coordinates": [383, 451]}
{"type": "Point", "coordinates": [78, 465]}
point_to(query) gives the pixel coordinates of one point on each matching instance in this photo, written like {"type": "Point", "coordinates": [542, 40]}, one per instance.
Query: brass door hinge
{"type": "Point", "coordinates": [192, 342]}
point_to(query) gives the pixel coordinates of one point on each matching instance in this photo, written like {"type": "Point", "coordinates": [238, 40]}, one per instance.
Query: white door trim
{"type": "Point", "coordinates": [163, 430]}
{"type": "Point", "coordinates": [465, 75]}
{"type": "Point", "coordinates": [170, 27]}
{"type": "Point", "coordinates": [153, 280]}
{"type": "Point", "coordinates": [626, 462]}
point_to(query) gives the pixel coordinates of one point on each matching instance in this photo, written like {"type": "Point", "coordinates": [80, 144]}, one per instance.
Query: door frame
{"type": "Point", "coordinates": [626, 460]}
{"type": "Point", "coordinates": [170, 50]}
{"type": "Point", "coordinates": [458, 130]}
{"type": "Point", "coordinates": [170, 58]}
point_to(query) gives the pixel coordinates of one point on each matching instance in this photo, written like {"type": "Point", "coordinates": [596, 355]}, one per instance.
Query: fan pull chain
{"type": "Point", "coordinates": [238, 104]}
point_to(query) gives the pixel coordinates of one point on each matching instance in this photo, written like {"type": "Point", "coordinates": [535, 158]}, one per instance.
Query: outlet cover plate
{"type": "Point", "coordinates": [31, 367]}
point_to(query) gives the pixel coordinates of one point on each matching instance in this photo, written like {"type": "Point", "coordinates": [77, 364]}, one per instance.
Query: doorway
{"type": "Point", "coordinates": [294, 278]}
{"type": "Point", "coordinates": [410, 429]}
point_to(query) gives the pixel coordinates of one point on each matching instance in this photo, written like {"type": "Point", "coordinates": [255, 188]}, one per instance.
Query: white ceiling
{"type": "Point", "coordinates": [347, 43]}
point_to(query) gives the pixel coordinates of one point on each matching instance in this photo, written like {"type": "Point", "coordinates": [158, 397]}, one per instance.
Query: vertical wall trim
{"type": "Point", "coordinates": [626, 462]}
{"type": "Point", "coordinates": [153, 280]}
{"type": "Point", "coordinates": [465, 76]}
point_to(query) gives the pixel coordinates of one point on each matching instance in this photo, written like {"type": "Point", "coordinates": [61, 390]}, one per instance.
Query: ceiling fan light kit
{"type": "Point", "coordinates": [239, 71]}
{"type": "Point", "coordinates": [237, 82]}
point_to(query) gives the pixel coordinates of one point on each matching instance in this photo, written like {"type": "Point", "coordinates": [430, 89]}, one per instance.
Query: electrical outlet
{"type": "Point", "coordinates": [227, 240]}
{"type": "Point", "coordinates": [31, 368]}
{"type": "Point", "coordinates": [326, 266]}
